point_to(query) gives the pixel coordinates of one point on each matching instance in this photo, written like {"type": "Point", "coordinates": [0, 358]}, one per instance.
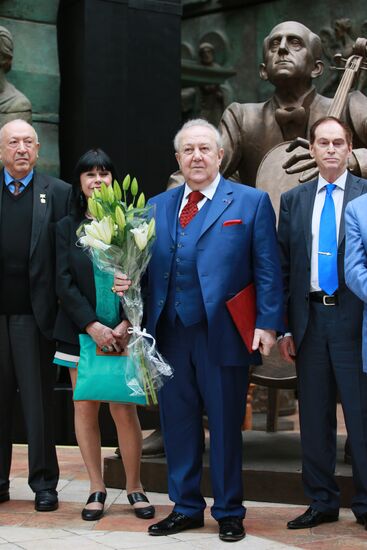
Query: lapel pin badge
{"type": "Point", "coordinates": [43, 198]}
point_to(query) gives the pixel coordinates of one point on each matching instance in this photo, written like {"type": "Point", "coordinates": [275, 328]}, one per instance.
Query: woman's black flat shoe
{"type": "Point", "coordinates": [142, 513]}
{"type": "Point", "coordinates": [93, 515]}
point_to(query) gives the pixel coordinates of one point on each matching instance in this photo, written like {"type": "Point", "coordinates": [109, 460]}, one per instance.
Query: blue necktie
{"type": "Point", "coordinates": [328, 245]}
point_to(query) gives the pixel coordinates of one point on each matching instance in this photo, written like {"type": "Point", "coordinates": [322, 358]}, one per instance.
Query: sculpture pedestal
{"type": "Point", "coordinates": [271, 470]}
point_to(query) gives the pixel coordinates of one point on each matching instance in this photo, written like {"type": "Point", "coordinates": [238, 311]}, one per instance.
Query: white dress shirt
{"type": "Point", "coordinates": [338, 197]}
{"type": "Point", "coordinates": [208, 193]}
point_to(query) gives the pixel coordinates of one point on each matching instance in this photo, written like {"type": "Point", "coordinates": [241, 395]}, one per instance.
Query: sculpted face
{"type": "Point", "coordinates": [288, 54]}
{"type": "Point", "coordinates": [331, 150]}
{"type": "Point", "coordinates": [18, 148]}
{"type": "Point", "coordinates": [198, 156]}
{"type": "Point", "coordinates": [92, 180]}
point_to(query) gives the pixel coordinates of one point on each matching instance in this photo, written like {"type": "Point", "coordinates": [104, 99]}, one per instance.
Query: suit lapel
{"type": "Point", "coordinates": [308, 198]}
{"type": "Point", "coordinates": [353, 189]}
{"type": "Point", "coordinates": [173, 204]}
{"type": "Point", "coordinates": [40, 205]}
{"type": "Point", "coordinates": [221, 200]}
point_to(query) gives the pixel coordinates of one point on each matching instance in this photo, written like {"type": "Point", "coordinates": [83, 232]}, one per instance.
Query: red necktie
{"type": "Point", "coordinates": [191, 208]}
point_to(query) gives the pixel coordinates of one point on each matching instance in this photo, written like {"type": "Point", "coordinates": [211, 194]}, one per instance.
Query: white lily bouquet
{"type": "Point", "coordinates": [120, 238]}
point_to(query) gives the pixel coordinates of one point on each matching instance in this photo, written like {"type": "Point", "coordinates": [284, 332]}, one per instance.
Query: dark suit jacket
{"type": "Point", "coordinates": [46, 213]}
{"type": "Point", "coordinates": [294, 236]}
{"type": "Point", "coordinates": [74, 284]}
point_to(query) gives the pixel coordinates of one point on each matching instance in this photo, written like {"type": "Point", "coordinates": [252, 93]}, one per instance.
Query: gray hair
{"type": "Point", "coordinates": [17, 120]}
{"type": "Point", "coordinates": [6, 49]}
{"type": "Point", "coordinates": [197, 122]}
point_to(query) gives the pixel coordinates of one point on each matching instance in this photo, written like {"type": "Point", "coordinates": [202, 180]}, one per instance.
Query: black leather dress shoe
{"type": "Point", "coordinates": [174, 523]}
{"type": "Point", "coordinates": [93, 515]}
{"type": "Point", "coordinates": [311, 518]}
{"type": "Point", "coordinates": [46, 500]}
{"type": "Point", "coordinates": [231, 529]}
{"type": "Point", "coordinates": [362, 519]}
{"type": "Point", "coordinates": [147, 512]}
{"type": "Point", "coordinates": [4, 495]}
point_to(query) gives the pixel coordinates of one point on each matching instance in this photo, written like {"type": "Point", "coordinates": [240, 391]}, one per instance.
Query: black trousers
{"type": "Point", "coordinates": [329, 362]}
{"type": "Point", "coordinates": [26, 363]}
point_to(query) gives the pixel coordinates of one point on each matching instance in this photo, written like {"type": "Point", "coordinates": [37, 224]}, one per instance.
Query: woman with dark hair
{"type": "Point", "coordinates": [77, 314]}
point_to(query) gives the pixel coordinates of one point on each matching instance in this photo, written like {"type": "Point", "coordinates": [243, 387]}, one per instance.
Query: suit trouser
{"type": "Point", "coordinates": [198, 384]}
{"type": "Point", "coordinates": [329, 362]}
{"type": "Point", "coordinates": [26, 362]}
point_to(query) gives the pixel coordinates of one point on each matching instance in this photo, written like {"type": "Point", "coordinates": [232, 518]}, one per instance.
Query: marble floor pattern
{"type": "Point", "coordinates": [21, 527]}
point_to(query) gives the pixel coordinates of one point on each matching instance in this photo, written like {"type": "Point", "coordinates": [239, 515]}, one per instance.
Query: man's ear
{"type": "Point", "coordinates": [318, 69]}
{"type": "Point", "coordinates": [177, 155]}
{"type": "Point", "coordinates": [262, 71]}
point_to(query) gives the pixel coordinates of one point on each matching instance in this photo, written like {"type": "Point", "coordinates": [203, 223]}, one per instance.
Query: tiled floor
{"type": "Point", "coordinates": [21, 527]}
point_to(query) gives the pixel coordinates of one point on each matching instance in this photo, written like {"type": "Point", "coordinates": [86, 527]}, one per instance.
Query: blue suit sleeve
{"type": "Point", "coordinates": [355, 254]}
{"type": "Point", "coordinates": [267, 271]}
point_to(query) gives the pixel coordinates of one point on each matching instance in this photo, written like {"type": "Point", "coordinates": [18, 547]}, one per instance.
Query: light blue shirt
{"type": "Point", "coordinates": [8, 179]}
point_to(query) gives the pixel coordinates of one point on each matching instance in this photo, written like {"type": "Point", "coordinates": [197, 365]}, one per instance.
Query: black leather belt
{"type": "Point", "coordinates": [323, 298]}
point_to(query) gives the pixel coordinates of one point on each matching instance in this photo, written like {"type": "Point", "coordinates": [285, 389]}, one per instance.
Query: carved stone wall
{"type": "Point", "coordinates": [243, 25]}
{"type": "Point", "coordinates": [35, 70]}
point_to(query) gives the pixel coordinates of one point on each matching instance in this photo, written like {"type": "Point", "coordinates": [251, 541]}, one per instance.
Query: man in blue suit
{"type": "Point", "coordinates": [214, 237]}
{"type": "Point", "coordinates": [356, 259]}
{"type": "Point", "coordinates": [325, 321]}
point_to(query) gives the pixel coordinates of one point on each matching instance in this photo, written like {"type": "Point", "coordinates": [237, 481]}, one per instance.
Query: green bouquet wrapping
{"type": "Point", "coordinates": [120, 237]}
{"type": "Point", "coordinates": [106, 376]}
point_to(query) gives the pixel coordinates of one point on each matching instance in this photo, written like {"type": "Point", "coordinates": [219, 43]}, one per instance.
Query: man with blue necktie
{"type": "Point", "coordinates": [214, 237]}
{"type": "Point", "coordinates": [30, 205]}
{"type": "Point", "coordinates": [324, 323]}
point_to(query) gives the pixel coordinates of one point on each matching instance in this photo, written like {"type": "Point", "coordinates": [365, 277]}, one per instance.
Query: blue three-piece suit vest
{"type": "Point", "coordinates": [184, 297]}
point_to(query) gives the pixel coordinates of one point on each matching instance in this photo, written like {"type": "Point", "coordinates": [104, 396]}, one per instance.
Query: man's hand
{"type": "Point", "coordinates": [264, 340]}
{"type": "Point", "coordinates": [121, 283]}
{"type": "Point", "coordinates": [287, 349]}
{"type": "Point", "coordinates": [121, 334]}
{"type": "Point", "coordinates": [295, 164]}
{"type": "Point", "coordinates": [103, 336]}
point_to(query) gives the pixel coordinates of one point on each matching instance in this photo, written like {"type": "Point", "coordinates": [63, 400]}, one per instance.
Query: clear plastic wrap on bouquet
{"type": "Point", "coordinates": [121, 239]}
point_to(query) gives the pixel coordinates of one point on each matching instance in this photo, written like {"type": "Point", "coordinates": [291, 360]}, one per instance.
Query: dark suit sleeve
{"type": "Point", "coordinates": [73, 302]}
{"type": "Point", "coordinates": [283, 240]}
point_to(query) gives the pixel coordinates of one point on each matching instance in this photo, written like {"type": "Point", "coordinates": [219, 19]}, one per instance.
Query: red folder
{"type": "Point", "coordinates": [242, 308]}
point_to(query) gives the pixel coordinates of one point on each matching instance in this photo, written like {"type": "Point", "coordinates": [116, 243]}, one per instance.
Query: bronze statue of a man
{"type": "Point", "coordinates": [291, 61]}
{"type": "Point", "coordinates": [13, 104]}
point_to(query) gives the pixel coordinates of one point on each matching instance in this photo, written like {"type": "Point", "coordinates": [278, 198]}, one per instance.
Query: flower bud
{"type": "Point", "coordinates": [126, 182]}
{"type": "Point", "coordinates": [104, 192]}
{"type": "Point", "coordinates": [110, 194]}
{"type": "Point", "coordinates": [151, 229]}
{"type": "Point", "coordinates": [92, 207]}
{"type": "Point", "coordinates": [141, 201]}
{"type": "Point", "coordinates": [120, 217]}
{"type": "Point", "coordinates": [117, 190]}
{"type": "Point", "coordinates": [100, 211]}
{"type": "Point", "coordinates": [134, 187]}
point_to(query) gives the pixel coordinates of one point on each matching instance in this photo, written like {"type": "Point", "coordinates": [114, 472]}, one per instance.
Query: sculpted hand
{"type": "Point", "coordinates": [102, 335]}
{"type": "Point", "coordinates": [287, 349]}
{"type": "Point", "coordinates": [121, 335]}
{"type": "Point", "coordinates": [121, 283]}
{"type": "Point", "coordinates": [295, 164]}
{"type": "Point", "coordinates": [263, 340]}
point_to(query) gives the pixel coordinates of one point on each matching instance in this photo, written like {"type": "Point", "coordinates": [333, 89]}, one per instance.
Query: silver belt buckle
{"type": "Point", "coordinates": [326, 302]}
